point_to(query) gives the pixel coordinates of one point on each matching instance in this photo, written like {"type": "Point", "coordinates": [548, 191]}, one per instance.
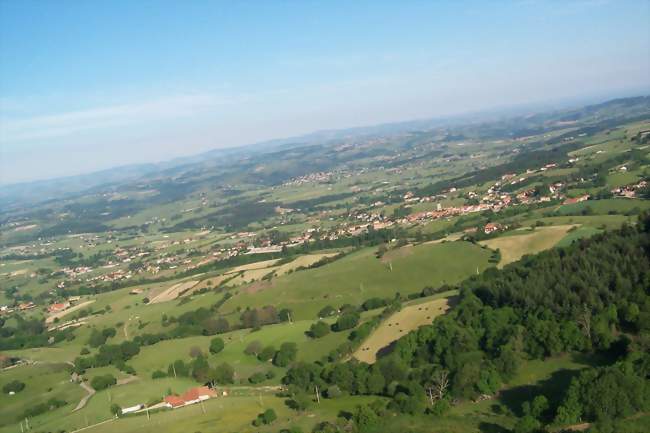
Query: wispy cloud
{"type": "Point", "coordinates": [21, 129]}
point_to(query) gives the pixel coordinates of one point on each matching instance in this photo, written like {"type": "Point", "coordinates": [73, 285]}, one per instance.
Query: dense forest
{"type": "Point", "coordinates": [591, 298]}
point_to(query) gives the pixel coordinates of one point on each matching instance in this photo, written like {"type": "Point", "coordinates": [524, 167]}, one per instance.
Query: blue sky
{"type": "Point", "coordinates": [87, 85]}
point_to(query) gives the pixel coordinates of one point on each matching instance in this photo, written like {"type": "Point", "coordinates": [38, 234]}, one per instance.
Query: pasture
{"type": "Point", "coordinates": [514, 246]}
{"type": "Point", "coordinates": [617, 205]}
{"type": "Point", "coordinates": [159, 356]}
{"type": "Point", "coordinates": [401, 323]}
{"type": "Point", "coordinates": [361, 275]}
{"type": "Point", "coordinates": [42, 382]}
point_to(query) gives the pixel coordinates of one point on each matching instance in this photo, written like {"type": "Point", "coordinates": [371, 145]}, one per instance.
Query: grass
{"type": "Point", "coordinates": [361, 275]}
{"type": "Point", "coordinates": [513, 247]}
{"type": "Point", "coordinates": [159, 356]}
{"type": "Point", "coordinates": [619, 205]}
{"type": "Point", "coordinates": [578, 233]}
{"type": "Point", "coordinates": [222, 414]}
{"type": "Point", "coordinates": [399, 324]}
{"type": "Point", "coordinates": [42, 382]}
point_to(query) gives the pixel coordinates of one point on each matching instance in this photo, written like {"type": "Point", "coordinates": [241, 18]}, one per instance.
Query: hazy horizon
{"type": "Point", "coordinates": [95, 86]}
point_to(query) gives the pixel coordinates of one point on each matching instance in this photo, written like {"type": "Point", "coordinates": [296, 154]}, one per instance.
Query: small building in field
{"type": "Point", "coordinates": [491, 228]}
{"type": "Point", "coordinates": [132, 409]}
{"type": "Point", "coordinates": [191, 396]}
{"type": "Point", "coordinates": [576, 199]}
{"type": "Point", "coordinates": [56, 308]}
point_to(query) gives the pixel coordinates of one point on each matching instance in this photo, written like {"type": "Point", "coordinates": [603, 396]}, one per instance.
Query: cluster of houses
{"type": "Point", "coordinates": [23, 306]}
{"type": "Point", "coordinates": [630, 191]}
{"type": "Point", "coordinates": [319, 177]}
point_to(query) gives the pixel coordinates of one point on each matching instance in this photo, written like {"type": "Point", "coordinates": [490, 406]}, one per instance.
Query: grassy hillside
{"type": "Point", "coordinates": [362, 275]}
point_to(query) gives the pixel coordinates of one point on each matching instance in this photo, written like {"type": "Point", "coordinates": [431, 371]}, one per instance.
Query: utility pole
{"type": "Point", "coordinates": [21, 427]}
{"type": "Point", "coordinates": [317, 393]}
{"type": "Point", "coordinates": [174, 368]}
{"type": "Point", "coordinates": [289, 314]}
{"type": "Point", "coordinates": [202, 407]}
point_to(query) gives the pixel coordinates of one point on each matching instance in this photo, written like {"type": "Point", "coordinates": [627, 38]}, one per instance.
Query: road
{"type": "Point", "coordinates": [85, 399]}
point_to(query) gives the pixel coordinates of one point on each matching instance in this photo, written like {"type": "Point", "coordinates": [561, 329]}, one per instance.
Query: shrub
{"type": "Point", "coordinates": [13, 386]}
{"type": "Point", "coordinates": [116, 409]}
{"type": "Point", "coordinates": [267, 417]}
{"type": "Point", "coordinates": [158, 374]}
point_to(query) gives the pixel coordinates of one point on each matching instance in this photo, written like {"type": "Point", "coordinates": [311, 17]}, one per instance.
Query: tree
{"type": "Point", "coordinates": [96, 338]}
{"type": "Point", "coordinates": [216, 345]}
{"type": "Point", "coordinates": [527, 424]}
{"type": "Point", "coordinates": [539, 406]}
{"type": "Point", "coordinates": [253, 348]}
{"type": "Point", "coordinates": [375, 382]}
{"type": "Point", "coordinates": [257, 378]}
{"type": "Point", "coordinates": [318, 329]}
{"type": "Point", "coordinates": [285, 315]}
{"type": "Point", "coordinates": [223, 374]}
{"type": "Point", "coordinates": [116, 410]}
{"type": "Point", "coordinates": [266, 354]}
{"type": "Point", "coordinates": [346, 321]}
{"type": "Point", "coordinates": [201, 369]}
{"type": "Point", "coordinates": [195, 351]}
{"type": "Point", "coordinates": [440, 383]}
{"type": "Point", "coordinates": [102, 382]}
{"type": "Point", "coordinates": [286, 355]}
{"type": "Point", "coordinates": [266, 417]}
{"type": "Point", "coordinates": [300, 401]}
{"type": "Point", "coordinates": [269, 416]}
{"type": "Point", "coordinates": [365, 418]}
{"type": "Point", "coordinates": [326, 311]}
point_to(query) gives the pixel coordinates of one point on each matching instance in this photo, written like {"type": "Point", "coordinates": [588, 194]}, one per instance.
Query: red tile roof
{"type": "Point", "coordinates": [174, 400]}
{"type": "Point", "coordinates": [195, 393]}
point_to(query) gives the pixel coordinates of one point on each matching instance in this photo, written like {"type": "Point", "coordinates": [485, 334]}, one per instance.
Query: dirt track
{"type": "Point", "coordinates": [173, 292]}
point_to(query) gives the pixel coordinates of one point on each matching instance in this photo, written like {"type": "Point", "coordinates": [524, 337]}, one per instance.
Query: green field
{"type": "Point", "coordinates": [159, 356]}
{"type": "Point", "coordinates": [361, 275]}
{"type": "Point", "coordinates": [42, 382]}
{"type": "Point", "coordinates": [618, 205]}
{"type": "Point", "coordinates": [516, 244]}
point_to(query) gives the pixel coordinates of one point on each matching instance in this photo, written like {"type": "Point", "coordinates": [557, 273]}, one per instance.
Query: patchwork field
{"type": "Point", "coordinates": [399, 324]}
